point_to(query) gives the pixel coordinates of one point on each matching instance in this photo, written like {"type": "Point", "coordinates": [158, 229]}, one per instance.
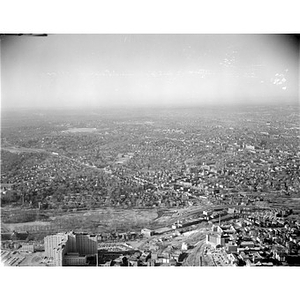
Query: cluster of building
{"type": "Point", "coordinates": [236, 160]}
{"type": "Point", "coordinates": [17, 240]}
{"type": "Point", "coordinates": [257, 240]}
{"type": "Point", "coordinates": [15, 245]}
{"type": "Point", "coordinates": [163, 164]}
{"type": "Point", "coordinates": [251, 236]}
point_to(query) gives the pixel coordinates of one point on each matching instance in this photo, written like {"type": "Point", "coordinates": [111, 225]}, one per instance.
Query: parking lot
{"type": "Point", "coordinates": [23, 258]}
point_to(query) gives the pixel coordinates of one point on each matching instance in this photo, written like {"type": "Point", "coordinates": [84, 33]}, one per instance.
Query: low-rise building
{"type": "Point", "coordinates": [147, 232]}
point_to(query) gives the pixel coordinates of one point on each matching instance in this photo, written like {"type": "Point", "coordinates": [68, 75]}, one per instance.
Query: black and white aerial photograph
{"type": "Point", "coordinates": [145, 150]}
{"type": "Point", "coordinates": [150, 150]}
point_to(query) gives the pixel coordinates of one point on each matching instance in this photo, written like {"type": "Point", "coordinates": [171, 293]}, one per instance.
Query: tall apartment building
{"type": "Point", "coordinates": [51, 242]}
{"type": "Point", "coordinates": [70, 248]}
{"type": "Point", "coordinates": [86, 244]}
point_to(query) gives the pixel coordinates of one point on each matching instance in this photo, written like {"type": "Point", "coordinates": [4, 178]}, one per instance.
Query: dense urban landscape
{"type": "Point", "coordinates": [197, 186]}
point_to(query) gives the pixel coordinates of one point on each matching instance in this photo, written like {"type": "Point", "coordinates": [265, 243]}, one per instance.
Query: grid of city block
{"type": "Point", "coordinates": [210, 178]}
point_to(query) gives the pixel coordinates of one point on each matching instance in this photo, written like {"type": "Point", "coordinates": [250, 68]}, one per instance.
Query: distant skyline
{"type": "Point", "coordinates": [145, 70]}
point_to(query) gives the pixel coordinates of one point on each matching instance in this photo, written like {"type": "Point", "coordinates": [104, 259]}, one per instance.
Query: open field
{"type": "Point", "coordinates": [100, 220]}
{"type": "Point", "coordinates": [109, 218]}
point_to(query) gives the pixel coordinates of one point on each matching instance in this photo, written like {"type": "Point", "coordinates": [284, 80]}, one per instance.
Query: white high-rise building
{"type": "Point", "coordinates": [70, 248]}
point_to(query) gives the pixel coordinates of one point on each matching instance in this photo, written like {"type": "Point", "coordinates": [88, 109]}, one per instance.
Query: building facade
{"type": "Point", "coordinates": [70, 248]}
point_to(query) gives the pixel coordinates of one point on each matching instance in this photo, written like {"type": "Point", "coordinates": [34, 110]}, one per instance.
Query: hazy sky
{"type": "Point", "coordinates": [88, 70]}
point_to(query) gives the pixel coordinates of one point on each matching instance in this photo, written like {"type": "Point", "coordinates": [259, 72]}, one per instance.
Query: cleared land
{"type": "Point", "coordinates": [100, 220]}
